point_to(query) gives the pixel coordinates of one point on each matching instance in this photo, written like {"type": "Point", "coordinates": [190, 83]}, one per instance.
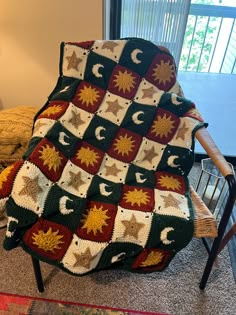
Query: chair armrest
{"type": "Point", "coordinates": [214, 153]}
{"type": "Point", "coordinates": [218, 159]}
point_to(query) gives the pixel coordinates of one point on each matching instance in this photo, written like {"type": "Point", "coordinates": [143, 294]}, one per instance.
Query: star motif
{"type": "Point", "coordinates": [84, 259]}
{"type": "Point", "coordinates": [31, 187]}
{"type": "Point", "coordinates": [38, 125]}
{"type": "Point", "coordinates": [171, 201]}
{"type": "Point", "coordinates": [132, 227]}
{"type": "Point", "coordinates": [112, 170]}
{"type": "Point", "coordinates": [149, 92]}
{"type": "Point", "coordinates": [150, 155]}
{"type": "Point", "coordinates": [110, 45]}
{"type": "Point", "coordinates": [75, 180]}
{"type": "Point", "coordinates": [181, 132]}
{"type": "Point", "coordinates": [75, 120]}
{"type": "Point", "coordinates": [113, 107]}
{"type": "Point", "coordinates": [73, 61]}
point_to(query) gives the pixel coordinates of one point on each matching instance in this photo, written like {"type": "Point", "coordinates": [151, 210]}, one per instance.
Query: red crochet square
{"type": "Point", "coordinates": [48, 239]}
{"type": "Point", "coordinates": [97, 222]}
{"type": "Point", "coordinates": [170, 182]}
{"type": "Point", "coordinates": [54, 110]}
{"type": "Point", "coordinates": [125, 145]}
{"type": "Point", "coordinates": [163, 127]}
{"type": "Point", "coordinates": [151, 259]}
{"type": "Point", "coordinates": [124, 82]}
{"type": "Point", "coordinates": [88, 157]}
{"type": "Point", "coordinates": [49, 159]}
{"type": "Point", "coordinates": [86, 44]}
{"type": "Point", "coordinates": [162, 72]}
{"type": "Point", "coordinates": [7, 177]}
{"type": "Point", "coordinates": [88, 96]}
{"type": "Point", "coordinates": [137, 198]}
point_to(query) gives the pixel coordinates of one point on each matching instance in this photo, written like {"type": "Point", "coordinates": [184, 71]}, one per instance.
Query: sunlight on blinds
{"type": "Point", "coordinates": [161, 21]}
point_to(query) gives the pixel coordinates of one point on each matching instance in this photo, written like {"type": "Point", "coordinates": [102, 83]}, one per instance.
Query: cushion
{"type": "Point", "coordinates": [15, 131]}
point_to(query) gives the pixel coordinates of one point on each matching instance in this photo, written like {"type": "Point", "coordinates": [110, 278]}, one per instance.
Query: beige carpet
{"type": "Point", "coordinates": [174, 291]}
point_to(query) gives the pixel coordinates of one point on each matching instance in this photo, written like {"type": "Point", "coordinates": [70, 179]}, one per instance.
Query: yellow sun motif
{"type": "Point", "coordinates": [52, 110]}
{"type": "Point", "coordinates": [152, 259]}
{"type": "Point", "coordinates": [87, 156]}
{"type": "Point", "coordinates": [162, 126]}
{"type": "Point", "coordinates": [124, 144]}
{"type": "Point", "coordinates": [124, 81]}
{"type": "Point", "coordinates": [47, 241]}
{"type": "Point", "coordinates": [88, 95]}
{"type": "Point", "coordinates": [163, 72]}
{"type": "Point", "coordinates": [50, 157]}
{"type": "Point", "coordinates": [169, 182]}
{"type": "Point", "coordinates": [4, 175]}
{"type": "Point", "coordinates": [137, 196]}
{"type": "Point", "coordinates": [95, 219]}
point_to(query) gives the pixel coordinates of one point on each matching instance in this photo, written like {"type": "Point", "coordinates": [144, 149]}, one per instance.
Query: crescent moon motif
{"type": "Point", "coordinates": [139, 178]}
{"type": "Point", "coordinates": [62, 205]}
{"type": "Point", "coordinates": [95, 70]}
{"type": "Point", "coordinates": [117, 257]}
{"type": "Point", "coordinates": [135, 118]}
{"type": "Point", "coordinates": [11, 226]}
{"type": "Point", "coordinates": [65, 89]}
{"type": "Point", "coordinates": [98, 131]}
{"type": "Point", "coordinates": [134, 54]}
{"type": "Point", "coordinates": [164, 236]}
{"type": "Point", "coordinates": [174, 99]}
{"type": "Point", "coordinates": [171, 162]}
{"type": "Point", "coordinates": [62, 137]}
{"type": "Point", "coordinates": [103, 191]}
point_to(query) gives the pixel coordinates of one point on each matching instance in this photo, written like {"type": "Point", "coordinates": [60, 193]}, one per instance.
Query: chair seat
{"type": "Point", "coordinates": [205, 224]}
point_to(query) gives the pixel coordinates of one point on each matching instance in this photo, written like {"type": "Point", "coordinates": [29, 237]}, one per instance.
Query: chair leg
{"type": "Point", "coordinates": [212, 256]}
{"type": "Point", "coordinates": [38, 274]}
{"type": "Point", "coordinates": [221, 230]}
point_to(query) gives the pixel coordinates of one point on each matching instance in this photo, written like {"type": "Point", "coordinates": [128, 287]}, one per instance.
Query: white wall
{"type": "Point", "coordinates": [30, 35]}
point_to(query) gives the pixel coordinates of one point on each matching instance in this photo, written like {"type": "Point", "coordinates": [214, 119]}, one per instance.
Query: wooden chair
{"type": "Point", "coordinates": [205, 225]}
{"type": "Point", "coordinates": [204, 218]}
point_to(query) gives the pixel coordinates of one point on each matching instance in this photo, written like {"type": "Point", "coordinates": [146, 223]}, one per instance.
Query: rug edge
{"type": "Point", "coordinates": [82, 304]}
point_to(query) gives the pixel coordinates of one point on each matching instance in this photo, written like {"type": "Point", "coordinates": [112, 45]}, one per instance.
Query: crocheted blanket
{"type": "Point", "coordinates": [104, 180]}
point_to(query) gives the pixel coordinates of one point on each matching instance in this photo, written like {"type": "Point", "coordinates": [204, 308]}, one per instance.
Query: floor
{"type": "Point", "coordinates": [215, 97]}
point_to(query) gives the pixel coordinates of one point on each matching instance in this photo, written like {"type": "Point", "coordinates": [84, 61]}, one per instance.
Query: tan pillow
{"type": "Point", "coordinates": [15, 130]}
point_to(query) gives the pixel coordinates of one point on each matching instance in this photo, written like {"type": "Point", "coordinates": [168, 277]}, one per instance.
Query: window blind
{"type": "Point", "coordinates": [161, 21]}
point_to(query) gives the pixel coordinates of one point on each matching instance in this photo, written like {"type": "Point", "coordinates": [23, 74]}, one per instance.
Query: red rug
{"type": "Point", "coordinates": [22, 305]}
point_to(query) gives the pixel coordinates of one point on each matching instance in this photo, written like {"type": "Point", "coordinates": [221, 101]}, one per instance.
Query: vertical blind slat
{"type": "Point", "coordinates": [162, 21]}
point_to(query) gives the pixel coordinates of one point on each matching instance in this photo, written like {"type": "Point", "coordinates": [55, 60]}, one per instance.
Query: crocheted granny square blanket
{"type": "Point", "coordinates": [104, 179]}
